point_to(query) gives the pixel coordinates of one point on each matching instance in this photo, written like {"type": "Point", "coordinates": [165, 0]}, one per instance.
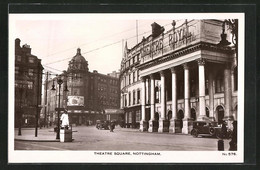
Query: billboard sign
{"type": "Point", "coordinates": [75, 101]}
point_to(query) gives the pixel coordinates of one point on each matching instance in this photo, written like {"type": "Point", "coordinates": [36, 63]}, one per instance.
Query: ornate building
{"type": "Point", "coordinates": [89, 94]}
{"type": "Point", "coordinates": [172, 78]}
{"type": "Point", "coordinates": [28, 83]}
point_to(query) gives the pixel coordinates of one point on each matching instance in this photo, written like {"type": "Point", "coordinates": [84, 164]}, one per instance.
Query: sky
{"type": "Point", "coordinates": [54, 38]}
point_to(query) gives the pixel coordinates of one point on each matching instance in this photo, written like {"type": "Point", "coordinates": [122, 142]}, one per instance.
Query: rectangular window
{"type": "Point", "coordinates": [16, 70]}
{"type": "Point", "coordinates": [30, 72]}
{"type": "Point", "coordinates": [129, 78]}
{"type": "Point", "coordinates": [18, 58]}
{"type": "Point", "coordinates": [133, 76]}
{"type": "Point", "coordinates": [138, 97]}
{"type": "Point", "coordinates": [133, 97]}
{"type": "Point", "coordinates": [129, 99]}
{"type": "Point", "coordinates": [31, 60]}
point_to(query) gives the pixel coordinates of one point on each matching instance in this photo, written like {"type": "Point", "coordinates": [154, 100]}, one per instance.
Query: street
{"type": "Point", "coordinates": [89, 138]}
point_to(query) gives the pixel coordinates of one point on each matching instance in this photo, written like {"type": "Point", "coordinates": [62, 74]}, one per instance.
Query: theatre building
{"type": "Point", "coordinates": [85, 94]}
{"type": "Point", "coordinates": [174, 77]}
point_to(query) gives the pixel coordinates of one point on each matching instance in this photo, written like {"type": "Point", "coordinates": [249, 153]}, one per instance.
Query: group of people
{"type": "Point", "coordinates": [233, 142]}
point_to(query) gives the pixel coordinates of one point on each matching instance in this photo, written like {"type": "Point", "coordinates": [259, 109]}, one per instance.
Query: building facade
{"type": "Point", "coordinates": [172, 78]}
{"type": "Point", "coordinates": [28, 84]}
{"type": "Point", "coordinates": [88, 95]}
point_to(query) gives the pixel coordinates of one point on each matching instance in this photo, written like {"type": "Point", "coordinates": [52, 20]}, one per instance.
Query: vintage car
{"type": "Point", "coordinates": [210, 128]}
{"type": "Point", "coordinates": [101, 124]}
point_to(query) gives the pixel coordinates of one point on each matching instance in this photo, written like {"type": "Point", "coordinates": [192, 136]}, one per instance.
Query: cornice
{"type": "Point", "coordinates": [185, 51]}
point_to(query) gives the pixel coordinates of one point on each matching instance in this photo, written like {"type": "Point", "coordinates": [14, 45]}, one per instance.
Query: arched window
{"type": "Point", "coordinates": [220, 114]}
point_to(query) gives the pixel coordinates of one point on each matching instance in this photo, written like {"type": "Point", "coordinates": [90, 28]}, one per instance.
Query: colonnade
{"type": "Point", "coordinates": [152, 124]}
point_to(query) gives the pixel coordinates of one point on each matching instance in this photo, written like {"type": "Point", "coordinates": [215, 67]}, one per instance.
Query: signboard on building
{"type": "Point", "coordinates": [114, 111]}
{"type": "Point", "coordinates": [75, 101]}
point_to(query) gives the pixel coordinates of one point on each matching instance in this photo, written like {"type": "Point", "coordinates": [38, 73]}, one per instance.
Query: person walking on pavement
{"type": "Point", "coordinates": [112, 126]}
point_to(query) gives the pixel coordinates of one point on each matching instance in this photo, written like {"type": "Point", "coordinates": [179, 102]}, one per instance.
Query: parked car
{"type": "Point", "coordinates": [210, 128]}
{"type": "Point", "coordinates": [101, 124]}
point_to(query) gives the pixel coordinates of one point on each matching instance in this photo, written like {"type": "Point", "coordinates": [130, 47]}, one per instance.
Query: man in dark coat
{"type": "Point", "coordinates": [112, 126]}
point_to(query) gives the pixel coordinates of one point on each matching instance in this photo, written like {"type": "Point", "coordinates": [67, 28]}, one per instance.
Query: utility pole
{"type": "Point", "coordinates": [38, 99]}
{"type": "Point", "coordinates": [137, 31]}
{"type": "Point", "coordinates": [45, 102]}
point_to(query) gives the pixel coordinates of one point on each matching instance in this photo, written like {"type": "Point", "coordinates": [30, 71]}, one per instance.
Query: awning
{"type": "Point", "coordinates": [114, 111]}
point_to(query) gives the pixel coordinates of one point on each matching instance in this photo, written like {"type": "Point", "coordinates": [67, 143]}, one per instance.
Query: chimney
{"type": "Point", "coordinates": [17, 42]}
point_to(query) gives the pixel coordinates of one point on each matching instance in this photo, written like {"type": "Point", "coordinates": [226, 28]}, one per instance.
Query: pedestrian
{"type": "Point", "coordinates": [224, 130]}
{"type": "Point", "coordinates": [112, 126]}
{"type": "Point", "coordinates": [65, 119]}
{"type": "Point", "coordinates": [233, 142]}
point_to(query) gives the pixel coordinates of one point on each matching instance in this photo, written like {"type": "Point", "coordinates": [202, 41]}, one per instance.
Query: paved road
{"type": "Point", "coordinates": [89, 138]}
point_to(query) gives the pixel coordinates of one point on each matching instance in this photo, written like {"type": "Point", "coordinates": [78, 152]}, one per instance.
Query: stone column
{"type": "Point", "coordinates": [143, 122]}
{"type": "Point", "coordinates": [153, 127]}
{"type": "Point", "coordinates": [202, 102]}
{"type": "Point", "coordinates": [211, 97]}
{"type": "Point", "coordinates": [163, 123]}
{"type": "Point", "coordinates": [228, 96]}
{"type": "Point", "coordinates": [232, 81]}
{"type": "Point", "coordinates": [187, 121]}
{"type": "Point", "coordinates": [173, 121]}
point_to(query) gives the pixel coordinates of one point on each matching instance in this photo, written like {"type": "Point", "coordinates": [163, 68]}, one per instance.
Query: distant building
{"type": "Point", "coordinates": [28, 84]}
{"type": "Point", "coordinates": [114, 74]}
{"type": "Point", "coordinates": [172, 78]}
{"type": "Point", "coordinates": [88, 96]}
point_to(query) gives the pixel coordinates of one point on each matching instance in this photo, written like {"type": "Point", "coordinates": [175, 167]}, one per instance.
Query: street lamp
{"type": "Point", "coordinates": [59, 82]}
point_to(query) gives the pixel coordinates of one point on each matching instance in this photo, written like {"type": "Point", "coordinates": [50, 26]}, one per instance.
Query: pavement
{"type": "Point", "coordinates": [45, 134]}
{"type": "Point", "coordinates": [88, 138]}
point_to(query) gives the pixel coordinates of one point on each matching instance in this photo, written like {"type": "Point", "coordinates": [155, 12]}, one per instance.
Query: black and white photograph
{"type": "Point", "coordinates": [126, 88]}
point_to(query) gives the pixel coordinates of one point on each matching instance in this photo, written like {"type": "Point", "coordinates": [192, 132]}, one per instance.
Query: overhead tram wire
{"type": "Point", "coordinates": [100, 47]}
{"type": "Point", "coordinates": [50, 55]}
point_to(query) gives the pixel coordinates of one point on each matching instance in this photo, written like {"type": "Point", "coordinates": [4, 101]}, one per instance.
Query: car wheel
{"type": "Point", "coordinates": [194, 133]}
{"type": "Point", "coordinates": [212, 131]}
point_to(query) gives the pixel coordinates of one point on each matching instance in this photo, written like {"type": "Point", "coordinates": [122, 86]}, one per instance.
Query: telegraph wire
{"type": "Point", "coordinates": [101, 47]}
{"type": "Point", "coordinates": [48, 56]}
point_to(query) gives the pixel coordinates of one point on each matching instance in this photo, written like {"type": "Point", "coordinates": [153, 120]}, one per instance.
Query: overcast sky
{"type": "Point", "coordinates": [55, 38]}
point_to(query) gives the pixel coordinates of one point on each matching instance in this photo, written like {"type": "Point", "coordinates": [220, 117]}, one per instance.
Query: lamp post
{"type": "Point", "coordinates": [20, 113]}
{"type": "Point", "coordinates": [59, 82]}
